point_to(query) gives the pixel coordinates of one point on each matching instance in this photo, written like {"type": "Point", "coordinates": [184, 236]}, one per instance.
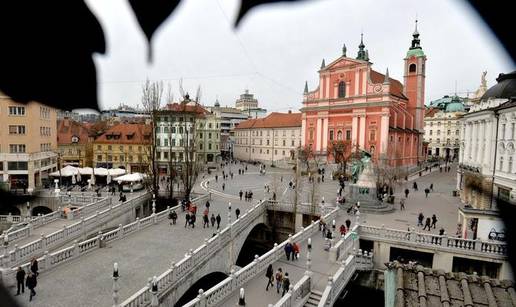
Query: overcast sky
{"type": "Point", "coordinates": [277, 47]}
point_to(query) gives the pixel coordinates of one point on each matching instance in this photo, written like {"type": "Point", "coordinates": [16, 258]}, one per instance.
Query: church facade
{"type": "Point", "coordinates": [367, 110]}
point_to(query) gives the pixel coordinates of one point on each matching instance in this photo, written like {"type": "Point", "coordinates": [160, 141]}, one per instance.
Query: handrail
{"type": "Point", "coordinates": [222, 290]}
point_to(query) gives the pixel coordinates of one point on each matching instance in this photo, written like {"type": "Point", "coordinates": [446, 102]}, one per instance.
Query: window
{"type": "Point", "coordinates": [448, 132]}
{"type": "Point", "coordinates": [99, 157]}
{"type": "Point", "coordinates": [284, 143]}
{"type": "Point", "coordinates": [283, 152]}
{"type": "Point", "coordinates": [503, 131]}
{"type": "Point", "coordinates": [456, 132]}
{"type": "Point", "coordinates": [267, 151]}
{"type": "Point", "coordinates": [275, 151]}
{"type": "Point", "coordinates": [13, 129]}
{"type": "Point", "coordinates": [110, 147]}
{"type": "Point", "coordinates": [339, 135]}
{"type": "Point", "coordinates": [209, 135]}
{"type": "Point", "coordinates": [372, 135]}
{"type": "Point", "coordinates": [501, 164]}
{"type": "Point", "coordinates": [16, 148]}
{"type": "Point", "coordinates": [209, 146]}
{"type": "Point", "coordinates": [200, 146]}
{"type": "Point", "coordinates": [109, 158]}
{"type": "Point", "coordinates": [510, 165]}
{"type": "Point", "coordinates": [121, 148]}
{"type": "Point", "coordinates": [268, 142]}
{"type": "Point", "coordinates": [99, 147]}
{"type": "Point", "coordinates": [293, 144]}
{"type": "Point", "coordinates": [121, 158]}
{"type": "Point", "coordinates": [166, 142]}
{"type": "Point", "coordinates": [165, 154]}
{"type": "Point", "coordinates": [348, 135]}
{"type": "Point", "coordinates": [200, 135]}
{"type": "Point", "coordinates": [46, 147]}
{"type": "Point", "coordinates": [430, 132]}
{"type": "Point", "coordinates": [17, 111]}
{"type": "Point", "coordinates": [17, 166]}
{"type": "Point", "coordinates": [173, 129]}
{"type": "Point", "coordinates": [331, 135]}
{"type": "Point", "coordinates": [342, 89]}
{"type": "Point", "coordinates": [412, 67]}
{"type": "Point", "coordinates": [438, 132]}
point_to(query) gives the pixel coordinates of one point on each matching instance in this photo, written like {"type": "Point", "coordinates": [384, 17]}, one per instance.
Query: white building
{"type": "Point", "coordinates": [442, 127]}
{"type": "Point", "coordinates": [249, 105]}
{"type": "Point", "coordinates": [486, 169]}
{"type": "Point", "coordinates": [229, 118]}
{"type": "Point", "coordinates": [270, 140]}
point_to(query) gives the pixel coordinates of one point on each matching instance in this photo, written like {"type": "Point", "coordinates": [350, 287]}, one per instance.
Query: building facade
{"type": "Point", "coordinates": [374, 112]}
{"type": "Point", "coordinates": [229, 119]}
{"type": "Point", "coordinates": [269, 140]}
{"type": "Point", "coordinates": [186, 127]}
{"type": "Point", "coordinates": [75, 145]}
{"type": "Point", "coordinates": [124, 145]}
{"type": "Point", "coordinates": [249, 105]}
{"type": "Point", "coordinates": [442, 128]}
{"type": "Point", "coordinates": [28, 143]}
{"type": "Point", "coordinates": [486, 161]}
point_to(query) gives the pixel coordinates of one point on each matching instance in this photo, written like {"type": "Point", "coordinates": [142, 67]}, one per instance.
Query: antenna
{"type": "Point", "coordinates": [181, 90]}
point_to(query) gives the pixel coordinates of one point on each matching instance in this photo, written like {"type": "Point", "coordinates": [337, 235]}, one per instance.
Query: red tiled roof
{"type": "Point", "coordinates": [182, 107]}
{"type": "Point", "coordinates": [126, 133]}
{"type": "Point", "coordinates": [273, 120]}
{"type": "Point", "coordinates": [431, 112]}
{"type": "Point", "coordinates": [396, 86]}
{"type": "Point", "coordinates": [67, 128]}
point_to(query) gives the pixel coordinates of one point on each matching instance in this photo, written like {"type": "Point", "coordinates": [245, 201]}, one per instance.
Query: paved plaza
{"type": "Point", "coordinates": [87, 281]}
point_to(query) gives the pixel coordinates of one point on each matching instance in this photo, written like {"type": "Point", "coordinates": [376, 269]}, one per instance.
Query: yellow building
{"type": "Point", "coordinates": [74, 143]}
{"type": "Point", "coordinates": [28, 143]}
{"type": "Point", "coordinates": [125, 145]}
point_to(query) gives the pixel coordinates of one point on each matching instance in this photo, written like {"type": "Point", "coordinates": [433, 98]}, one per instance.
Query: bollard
{"type": "Point", "coordinates": [241, 298]}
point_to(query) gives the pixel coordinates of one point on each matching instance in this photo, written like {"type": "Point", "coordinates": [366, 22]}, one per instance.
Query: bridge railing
{"type": "Point", "coordinates": [89, 208]}
{"type": "Point", "coordinates": [303, 208]}
{"type": "Point", "coordinates": [51, 260]}
{"type": "Point", "coordinates": [215, 295]}
{"type": "Point", "coordinates": [477, 247]}
{"type": "Point", "coordinates": [337, 282]}
{"type": "Point", "coordinates": [37, 247]}
{"type": "Point", "coordinates": [11, 218]}
{"type": "Point", "coordinates": [344, 246]}
{"type": "Point", "coordinates": [297, 294]}
{"type": "Point", "coordinates": [183, 268]}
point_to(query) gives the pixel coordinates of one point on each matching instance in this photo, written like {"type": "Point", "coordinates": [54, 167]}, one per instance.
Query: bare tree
{"type": "Point", "coordinates": [305, 153]}
{"type": "Point", "coordinates": [151, 100]}
{"type": "Point", "coordinates": [341, 152]}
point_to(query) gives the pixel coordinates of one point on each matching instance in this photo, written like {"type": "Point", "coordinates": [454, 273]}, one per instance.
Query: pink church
{"type": "Point", "coordinates": [367, 109]}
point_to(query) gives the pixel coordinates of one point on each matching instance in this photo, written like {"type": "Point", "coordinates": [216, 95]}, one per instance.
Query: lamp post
{"type": "Point", "coordinates": [28, 211]}
{"type": "Point", "coordinates": [116, 286]}
{"type": "Point", "coordinates": [229, 213]}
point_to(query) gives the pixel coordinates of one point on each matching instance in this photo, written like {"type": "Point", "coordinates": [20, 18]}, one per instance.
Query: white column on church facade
{"type": "Point", "coordinates": [318, 134]}
{"type": "Point", "coordinates": [325, 134]}
{"type": "Point", "coordinates": [384, 133]}
{"type": "Point", "coordinates": [467, 141]}
{"type": "Point", "coordinates": [357, 84]}
{"type": "Point", "coordinates": [303, 131]}
{"type": "Point", "coordinates": [321, 87]}
{"type": "Point", "coordinates": [354, 130]}
{"type": "Point", "coordinates": [327, 87]}
{"type": "Point", "coordinates": [481, 137]}
{"type": "Point", "coordinates": [364, 82]}
{"type": "Point", "coordinates": [361, 140]}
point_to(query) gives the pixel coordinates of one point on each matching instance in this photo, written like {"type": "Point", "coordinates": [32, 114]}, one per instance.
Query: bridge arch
{"type": "Point", "coordinates": [5, 210]}
{"type": "Point", "coordinates": [205, 283]}
{"type": "Point", "coordinates": [257, 241]}
{"type": "Point", "coordinates": [41, 209]}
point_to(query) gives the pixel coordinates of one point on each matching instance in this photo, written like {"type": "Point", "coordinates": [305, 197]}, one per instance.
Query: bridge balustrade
{"type": "Point", "coordinates": [29, 250]}
{"type": "Point", "coordinates": [296, 294]}
{"type": "Point", "coordinates": [477, 247]}
{"type": "Point", "coordinates": [218, 293]}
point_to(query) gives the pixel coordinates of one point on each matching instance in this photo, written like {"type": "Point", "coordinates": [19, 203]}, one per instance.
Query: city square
{"type": "Point", "coordinates": [225, 153]}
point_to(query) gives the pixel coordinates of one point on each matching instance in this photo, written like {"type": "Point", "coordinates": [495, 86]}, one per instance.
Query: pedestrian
{"type": "Point", "coordinates": [240, 194]}
{"type": "Point", "coordinates": [187, 219]}
{"type": "Point", "coordinates": [237, 212]}
{"type": "Point", "coordinates": [286, 284]}
{"type": "Point", "coordinates": [212, 220]}
{"type": "Point", "coordinates": [296, 250]}
{"type": "Point", "coordinates": [20, 279]}
{"type": "Point", "coordinates": [192, 220]}
{"type": "Point", "coordinates": [288, 250]}
{"type": "Point", "coordinates": [205, 221]}
{"type": "Point", "coordinates": [348, 223]}
{"type": "Point", "coordinates": [407, 193]}
{"type": "Point", "coordinates": [420, 218]}
{"type": "Point", "coordinates": [270, 277]}
{"type": "Point", "coordinates": [441, 231]}
{"type": "Point", "coordinates": [216, 178]}
{"type": "Point", "coordinates": [274, 196]}
{"type": "Point", "coordinates": [402, 204]}
{"type": "Point", "coordinates": [208, 204]}
{"type": "Point", "coordinates": [223, 186]}
{"type": "Point", "coordinates": [440, 169]}
{"type": "Point", "coordinates": [427, 190]}
{"type": "Point", "coordinates": [31, 283]}
{"type": "Point", "coordinates": [415, 186]}
{"type": "Point", "coordinates": [434, 221]}
{"type": "Point", "coordinates": [173, 216]}
{"type": "Point", "coordinates": [34, 266]}
{"type": "Point", "coordinates": [218, 220]}
{"type": "Point", "coordinates": [279, 279]}
{"type": "Point", "coordinates": [427, 224]}
{"type": "Point", "coordinates": [432, 187]}
{"type": "Point", "coordinates": [342, 230]}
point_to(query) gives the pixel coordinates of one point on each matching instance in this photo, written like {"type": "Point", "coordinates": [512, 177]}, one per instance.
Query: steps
{"type": "Point", "coordinates": [313, 299]}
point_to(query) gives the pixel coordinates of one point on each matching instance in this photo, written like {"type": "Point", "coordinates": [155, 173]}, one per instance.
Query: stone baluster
{"type": "Point", "coordinates": [83, 228]}
{"type": "Point", "coordinates": [478, 245]}
{"type": "Point", "coordinates": [413, 235]}
{"type": "Point", "coordinates": [45, 262]}
{"type": "Point", "coordinates": [330, 284]}
{"type": "Point", "coordinates": [137, 223]}
{"type": "Point", "coordinates": [75, 249]}
{"type": "Point", "coordinates": [16, 252]}
{"type": "Point", "coordinates": [97, 216]}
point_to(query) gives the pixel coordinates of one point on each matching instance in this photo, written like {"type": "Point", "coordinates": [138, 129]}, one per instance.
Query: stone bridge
{"type": "Point", "coordinates": [217, 254]}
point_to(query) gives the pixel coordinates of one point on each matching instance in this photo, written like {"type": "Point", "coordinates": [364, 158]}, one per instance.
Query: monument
{"type": "Point", "coordinates": [364, 189]}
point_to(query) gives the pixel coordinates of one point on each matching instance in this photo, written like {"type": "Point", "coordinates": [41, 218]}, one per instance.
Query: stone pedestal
{"type": "Point", "coordinates": [364, 191]}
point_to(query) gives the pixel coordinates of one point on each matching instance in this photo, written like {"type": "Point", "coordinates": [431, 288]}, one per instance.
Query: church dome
{"type": "Point", "coordinates": [505, 88]}
{"type": "Point", "coordinates": [455, 106]}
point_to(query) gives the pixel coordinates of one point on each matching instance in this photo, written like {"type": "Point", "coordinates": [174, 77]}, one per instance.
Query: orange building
{"type": "Point", "coordinates": [370, 110]}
